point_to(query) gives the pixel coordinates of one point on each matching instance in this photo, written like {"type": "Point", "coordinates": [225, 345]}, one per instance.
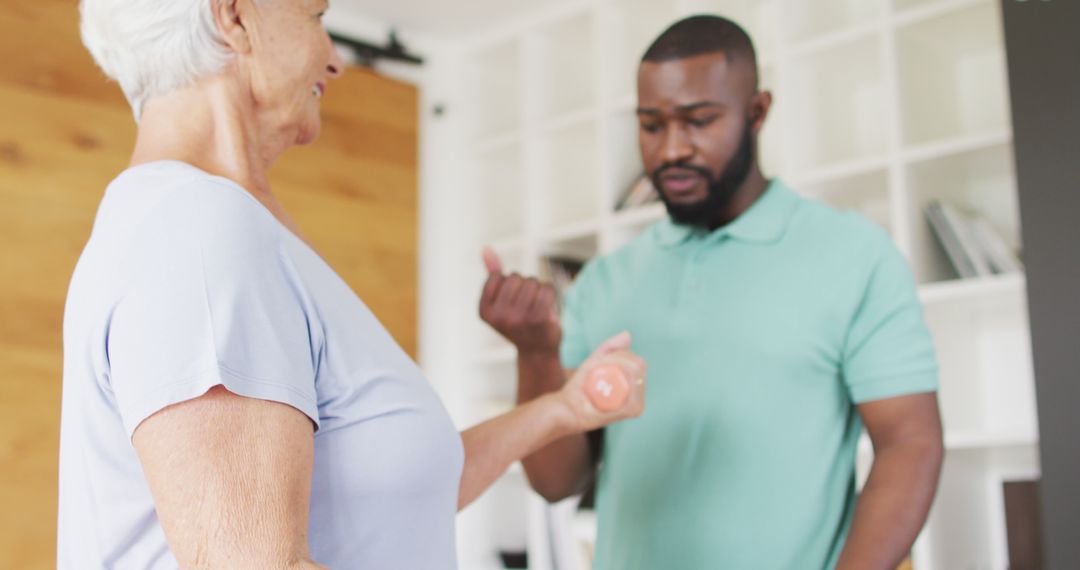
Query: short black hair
{"type": "Point", "coordinates": [699, 35]}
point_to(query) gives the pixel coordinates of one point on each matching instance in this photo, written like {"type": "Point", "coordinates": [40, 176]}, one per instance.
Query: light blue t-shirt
{"type": "Point", "coordinates": [188, 282]}
{"type": "Point", "coordinates": [761, 337]}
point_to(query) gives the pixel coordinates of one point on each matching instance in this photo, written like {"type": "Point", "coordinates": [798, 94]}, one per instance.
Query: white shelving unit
{"type": "Point", "coordinates": [881, 107]}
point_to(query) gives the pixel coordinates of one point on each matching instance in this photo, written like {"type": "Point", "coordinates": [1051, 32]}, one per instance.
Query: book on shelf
{"type": "Point", "coordinates": [946, 235]}
{"type": "Point", "coordinates": [640, 193]}
{"type": "Point", "coordinates": [971, 244]}
{"type": "Point", "coordinates": [1001, 257]}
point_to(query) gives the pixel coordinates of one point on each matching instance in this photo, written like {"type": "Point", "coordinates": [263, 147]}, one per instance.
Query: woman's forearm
{"type": "Point", "coordinates": [491, 447]}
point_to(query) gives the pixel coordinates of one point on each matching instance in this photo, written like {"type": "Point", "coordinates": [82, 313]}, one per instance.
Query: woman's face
{"type": "Point", "coordinates": [290, 65]}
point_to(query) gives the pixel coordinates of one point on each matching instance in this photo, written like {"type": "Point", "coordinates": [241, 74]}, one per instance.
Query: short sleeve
{"type": "Point", "coordinates": [889, 350]}
{"type": "Point", "coordinates": [575, 347]}
{"type": "Point", "coordinates": [214, 301]}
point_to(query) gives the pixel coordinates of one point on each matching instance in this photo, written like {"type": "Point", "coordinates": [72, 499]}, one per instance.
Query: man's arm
{"type": "Point", "coordinates": [524, 312]}
{"type": "Point", "coordinates": [908, 453]}
{"type": "Point", "coordinates": [231, 481]}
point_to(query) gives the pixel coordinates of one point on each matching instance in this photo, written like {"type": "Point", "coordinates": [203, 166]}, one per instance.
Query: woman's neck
{"type": "Point", "coordinates": [213, 126]}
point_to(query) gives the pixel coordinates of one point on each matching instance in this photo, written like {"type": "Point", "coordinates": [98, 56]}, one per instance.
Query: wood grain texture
{"type": "Point", "coordinates": [354, 194]}
{"type": "Point", "coordinates": [65, 132]}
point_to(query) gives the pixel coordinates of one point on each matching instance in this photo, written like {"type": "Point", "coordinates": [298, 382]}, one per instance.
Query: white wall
{"type": "Point", "coordinates": [437, 206]}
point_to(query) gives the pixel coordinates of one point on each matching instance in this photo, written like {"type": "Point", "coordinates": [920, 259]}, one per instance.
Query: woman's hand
{"type": "Point", "coordinates": [584, 414]}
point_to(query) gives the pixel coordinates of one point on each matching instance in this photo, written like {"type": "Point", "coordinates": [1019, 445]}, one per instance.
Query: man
{"type": "Point", "coordinates": [774, 328]}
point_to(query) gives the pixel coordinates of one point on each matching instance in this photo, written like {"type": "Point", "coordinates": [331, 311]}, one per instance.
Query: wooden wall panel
{"type": "Point", "coordinates": [354, 194]}
{"type": "Point", "coordinates": [41, 51]}
{"type": "Point", "coordinates": [65, 132]}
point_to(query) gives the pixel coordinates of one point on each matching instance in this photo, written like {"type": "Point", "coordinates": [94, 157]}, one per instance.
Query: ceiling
{"type": "Point", "coordinates": [444, 19]}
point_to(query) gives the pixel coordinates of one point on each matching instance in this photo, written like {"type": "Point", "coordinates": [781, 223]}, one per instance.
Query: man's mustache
{"type": "Point", "coordinates": [702, 171]}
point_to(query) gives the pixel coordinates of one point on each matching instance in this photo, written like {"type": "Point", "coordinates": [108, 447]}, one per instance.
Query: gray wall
{"type": "Point", "coordinates": [1043, 44]}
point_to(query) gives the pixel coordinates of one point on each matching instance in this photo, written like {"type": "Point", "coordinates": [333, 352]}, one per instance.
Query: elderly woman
{"type": "Point", "coordinates": [228, 402]}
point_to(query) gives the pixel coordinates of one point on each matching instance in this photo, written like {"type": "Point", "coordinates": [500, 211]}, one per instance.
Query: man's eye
{"type": "Point", "coordinates": [702, 121]}
{"type": "Point", "coordinates": [651, 127]}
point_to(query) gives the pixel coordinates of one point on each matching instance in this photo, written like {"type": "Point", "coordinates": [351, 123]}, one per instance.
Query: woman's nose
{"type": "Point", "coordinates": [336, 67]}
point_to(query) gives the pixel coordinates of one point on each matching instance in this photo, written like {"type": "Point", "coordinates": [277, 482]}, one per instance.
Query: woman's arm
{"type": "Point", "coordinates": [565, 466]}
{"type": "Point", "coordinates": [231, 481]}
{"type": "Point", "coordinates": [491, 447]}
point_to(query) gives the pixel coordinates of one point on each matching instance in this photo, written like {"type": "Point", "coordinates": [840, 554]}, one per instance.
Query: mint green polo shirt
{"type": "Point", "coordinates": [761, 338]}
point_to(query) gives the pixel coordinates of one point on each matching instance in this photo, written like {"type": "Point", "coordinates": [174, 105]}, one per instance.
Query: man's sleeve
{"type": "Point", "coordinates": [889, 350]}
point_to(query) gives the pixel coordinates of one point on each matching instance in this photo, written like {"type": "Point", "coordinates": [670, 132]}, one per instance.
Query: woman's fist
{"type": "Point", "coordinates": [608, 387]}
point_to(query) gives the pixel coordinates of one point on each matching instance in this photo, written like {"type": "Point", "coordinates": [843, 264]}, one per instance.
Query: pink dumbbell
{"type": "Point", "coordinates": [607, 387]}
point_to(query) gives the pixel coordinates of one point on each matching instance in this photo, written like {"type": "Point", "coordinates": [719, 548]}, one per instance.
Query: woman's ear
{"type": "Point", "coordinates": [231, 18]}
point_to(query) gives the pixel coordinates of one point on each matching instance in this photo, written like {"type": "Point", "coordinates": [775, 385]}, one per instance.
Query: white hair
{"type": "Point", "coordinates": [152, 47]}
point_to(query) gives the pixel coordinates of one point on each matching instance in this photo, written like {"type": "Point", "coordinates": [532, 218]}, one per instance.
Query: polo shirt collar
{"type": "Point", "coordinates": [764, 222]}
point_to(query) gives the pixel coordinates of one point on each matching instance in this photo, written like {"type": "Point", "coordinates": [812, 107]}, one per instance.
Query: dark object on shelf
{"type": "Point", "coordinates": [368, 54]}
{"type": "Point", "coordinates": [596, 451]}
{"type": "Point", "coordinates": [514, 559]}
{"type": "Point", "coordinates": [588, 498]}
{"type": "Point", "coordinates": [1023, 525]}
{"type": "Point", "coordinates": [560, 272]}
{"type": "Point", "coordinates": [640, 193]}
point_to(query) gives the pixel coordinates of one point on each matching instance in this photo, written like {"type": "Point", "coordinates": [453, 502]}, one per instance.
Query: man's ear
{"type": "Point", "coordinates": [230, 16]}
{"type": "Point", "coordinates": [759, 109]}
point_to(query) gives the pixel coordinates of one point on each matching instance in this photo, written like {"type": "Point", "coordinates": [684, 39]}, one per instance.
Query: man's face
{"type": "Point", "coordinates": [698, 123]}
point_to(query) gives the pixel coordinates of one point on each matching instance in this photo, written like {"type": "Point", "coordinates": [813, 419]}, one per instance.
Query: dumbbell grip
{"type": "Point", "coordinates": [607, 387]}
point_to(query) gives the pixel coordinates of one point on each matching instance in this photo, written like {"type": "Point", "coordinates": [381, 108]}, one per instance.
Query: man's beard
{"type": "Point", "coordinates": [721, 189]}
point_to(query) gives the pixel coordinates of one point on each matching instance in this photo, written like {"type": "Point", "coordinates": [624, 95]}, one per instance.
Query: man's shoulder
{"type": "Point", "coordinates": [845, 231]}
{"type": "Point", "coordinates": [623, 260]}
